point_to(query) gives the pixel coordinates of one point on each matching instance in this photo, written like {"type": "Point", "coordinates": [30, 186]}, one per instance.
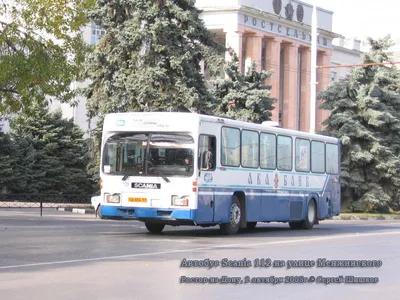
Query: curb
{"type": "Point", "coordinates": [77, 210]}
{"type": "Point", "coordinates": [351, 218]}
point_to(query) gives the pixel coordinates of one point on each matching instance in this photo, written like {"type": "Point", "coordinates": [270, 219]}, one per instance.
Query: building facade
{"type": "Point", "coordinates": [396, 51]}
{"type": "Point", "coordinates": [277, 35]}
{"type": "Point", "coordinates": [78, 113]}
{"type": "Point", "coordinates": [4, 125]}
{"type": "Point", "coordinates": [346, 51]}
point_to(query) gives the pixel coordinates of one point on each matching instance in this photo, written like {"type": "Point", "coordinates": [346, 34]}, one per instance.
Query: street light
{"type": "Point", "coordinates": [313, 82]}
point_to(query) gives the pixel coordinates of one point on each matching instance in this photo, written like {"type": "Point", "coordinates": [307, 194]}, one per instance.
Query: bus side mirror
{"type": "Point", "coordinates": [206, 162]}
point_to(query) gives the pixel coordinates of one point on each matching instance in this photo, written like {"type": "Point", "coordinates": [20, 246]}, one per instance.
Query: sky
{"type": "Point", "coordinates": [364, 18]}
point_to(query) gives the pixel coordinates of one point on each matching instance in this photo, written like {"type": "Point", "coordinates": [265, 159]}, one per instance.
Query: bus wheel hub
{"type": "Point", "coordinates": [235, 215]}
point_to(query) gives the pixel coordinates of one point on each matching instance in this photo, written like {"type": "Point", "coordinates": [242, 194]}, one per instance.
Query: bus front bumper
{"type": "Point", "coordinates": [148, 213]}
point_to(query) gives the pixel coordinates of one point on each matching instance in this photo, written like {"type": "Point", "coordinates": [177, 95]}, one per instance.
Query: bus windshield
{"type": "Point", "coordinates": [148, 154]}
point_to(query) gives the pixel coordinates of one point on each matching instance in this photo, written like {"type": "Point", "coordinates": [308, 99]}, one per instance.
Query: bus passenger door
{"type": "Point", "coordinates": [336, 195]}
{"type": "Point", "coordinates": [206, 187]}
{"type": "Point", "coordinates": [205, 205]}
{"type": "Point", "coordinates": [333, 168]}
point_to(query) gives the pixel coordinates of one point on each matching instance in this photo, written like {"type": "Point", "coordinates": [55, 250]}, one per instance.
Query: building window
{"type": "Point", "coordinates": [96, 34]}
{"type": "Point", "coordinates": [333, 76]}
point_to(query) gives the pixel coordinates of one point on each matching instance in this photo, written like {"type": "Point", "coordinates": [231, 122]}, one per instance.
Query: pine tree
{"type": "Point", "coordinates": [243, 96]}
{"type": "Point", "coordinates": [27, 178]}
{"type": "Point", "coordinates": [6, 172]}
{"type": "Point", "coordinates": [94, 164]}
{"type": "Point", "coordinates": [365, 115]}
{"type": "Point", "coordinates": [149, 58]}
{"type": "Point", "coordinates": [50, 156]}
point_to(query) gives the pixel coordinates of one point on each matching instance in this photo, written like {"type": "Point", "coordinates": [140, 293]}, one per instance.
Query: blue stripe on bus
{"type": "Point", "coordinates": [250, 189]}
{"type": "Point", "coordinates": [270, 171]}
{"type": "Point", "coordinates": [146, 213]}
{"type": "Point", "coordinates": [303, 173]}
{"type": "Point", "coordinates": [245, 170]}
{"type": "Point", "coordinates": [264, 187]}
{"type": "Point", "coordinates": [235, 186]}
{"type": "Point", "coordinates": [269, 187]}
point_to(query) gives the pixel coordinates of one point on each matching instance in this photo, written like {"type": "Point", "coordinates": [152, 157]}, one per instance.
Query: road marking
{"type": "Point", "coordinates": [160, 240]}
{"type": "Point", "coordinates": [325, 238]}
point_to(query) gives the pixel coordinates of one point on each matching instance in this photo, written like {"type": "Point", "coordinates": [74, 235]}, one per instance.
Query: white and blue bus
{"type": "Point", "coordinates": [175, 169]}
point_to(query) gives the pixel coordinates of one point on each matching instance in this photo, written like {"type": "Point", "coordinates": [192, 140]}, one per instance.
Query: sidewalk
{"type": "Point", "coordinates": [354, 217]}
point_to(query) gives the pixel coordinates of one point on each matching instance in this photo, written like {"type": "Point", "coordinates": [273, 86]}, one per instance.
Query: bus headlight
{"type": "Point", "coordinates": [114, 198]}
{"type": "Point", "coordinates": [180, 201]}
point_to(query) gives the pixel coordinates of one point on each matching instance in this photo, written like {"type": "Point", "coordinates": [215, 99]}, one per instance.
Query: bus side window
{"type": "Point", "coordinates": [284, 153]}
{"type": "Point", "coordinates": [207, 152]}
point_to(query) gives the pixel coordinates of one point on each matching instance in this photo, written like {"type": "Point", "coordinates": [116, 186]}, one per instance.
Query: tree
{"type": "Point", "coordinates": [6, 172]}
{"type": "Point", "coordinates": [94, 164]}
{"type": "Point", "coordinates": [365, 115]}
{"type": "Point", "coordinates": [27, 179]}
{"type": "Point", "coordinates": [42, 51]}
{"type": "Point", "coordinates": [243, 96]}
{"type": "Point", "coordinates": [149, 58]}
{"type": "Point", "coordinates": [50, 156]}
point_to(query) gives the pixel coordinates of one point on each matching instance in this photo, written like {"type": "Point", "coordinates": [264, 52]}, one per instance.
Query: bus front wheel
{"type": "Point", "coordinates": [235, 215]}
{"type": "Point", "coordinates": [154, 227]}
{"type": "Point", "coordinates": [98, 212]}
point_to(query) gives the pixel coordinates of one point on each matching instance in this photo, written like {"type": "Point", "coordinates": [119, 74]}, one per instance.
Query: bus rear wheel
{"type": "Point", "coordinates": [311, 217]}
{"type": "Point", "coordinates": [154, 227]}
{"type": "Point", "coordinates": [235, 215]}
{"type": "Point", "coordinates": [310, 220]}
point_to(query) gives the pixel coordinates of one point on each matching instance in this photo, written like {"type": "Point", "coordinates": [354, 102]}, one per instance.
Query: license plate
{"type": "Point", "coordinates": [142, 200]}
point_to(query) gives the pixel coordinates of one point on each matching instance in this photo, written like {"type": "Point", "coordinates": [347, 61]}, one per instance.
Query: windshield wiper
{"type": "Point", "coordinates": [127, 175]}
{"type": "Point", "coordinates": [159, 172]}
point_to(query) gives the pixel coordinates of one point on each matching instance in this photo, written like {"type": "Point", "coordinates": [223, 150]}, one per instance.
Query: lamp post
{"type": "Point", "coordinates": [313, 82]}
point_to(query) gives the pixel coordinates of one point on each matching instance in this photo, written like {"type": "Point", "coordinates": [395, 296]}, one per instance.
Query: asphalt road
{"type": "Point", "coordinates": [69, 256]}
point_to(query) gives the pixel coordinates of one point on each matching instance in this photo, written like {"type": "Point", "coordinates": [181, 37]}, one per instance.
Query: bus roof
{"type": "Point", "coordinates": [194, 118]}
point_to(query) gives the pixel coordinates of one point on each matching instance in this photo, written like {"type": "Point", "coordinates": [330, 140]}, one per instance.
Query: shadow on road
{"type": "Point", "coordinates": [262, 231]}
